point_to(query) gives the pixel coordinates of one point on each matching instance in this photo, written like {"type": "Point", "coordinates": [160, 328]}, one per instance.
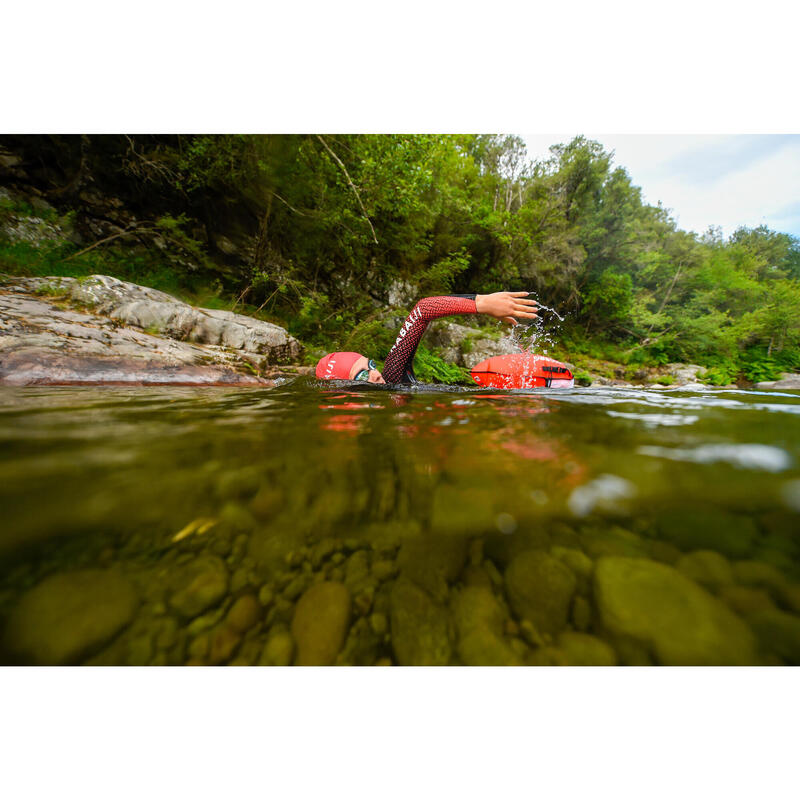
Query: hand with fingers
{"type": "Point", "coordinates": [508, 306]}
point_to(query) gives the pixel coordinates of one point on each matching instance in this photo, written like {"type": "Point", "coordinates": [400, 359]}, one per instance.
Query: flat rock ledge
{"type": "Point", "coordinates": [106, 331]}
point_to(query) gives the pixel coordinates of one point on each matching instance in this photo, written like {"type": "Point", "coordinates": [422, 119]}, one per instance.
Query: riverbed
{"type": "Point", "coordinates": [309, 524]}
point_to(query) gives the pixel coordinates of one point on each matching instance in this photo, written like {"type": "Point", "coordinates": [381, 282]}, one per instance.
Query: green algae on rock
{"type": "Point", "coordinates": [669, 614]}
{"type": "Point", "coordinates": [320, 623]}
{"type": "Point", "coordinates": [70, 616]}
{"type": "Point", "coordinates": [540, 588]}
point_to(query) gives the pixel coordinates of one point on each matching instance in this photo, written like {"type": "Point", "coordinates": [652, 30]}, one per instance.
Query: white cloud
{"type": "Point", "coordinates": [724, 181]}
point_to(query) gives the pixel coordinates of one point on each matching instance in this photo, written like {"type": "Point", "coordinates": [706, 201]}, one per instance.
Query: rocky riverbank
{"type": "Point", "coordinates": [102, 330]}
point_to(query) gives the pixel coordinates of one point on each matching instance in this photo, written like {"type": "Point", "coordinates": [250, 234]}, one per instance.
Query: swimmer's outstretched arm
{"type": "Point", "coordinates": [502, 305]}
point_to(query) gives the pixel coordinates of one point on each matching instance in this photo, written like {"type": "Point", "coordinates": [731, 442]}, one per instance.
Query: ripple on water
{"type": "Point", "coordinates": [745, 456]}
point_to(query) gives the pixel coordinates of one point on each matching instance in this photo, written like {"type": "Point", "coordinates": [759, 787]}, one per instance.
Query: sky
{"type": "Point", "coordinates": [705, 180]}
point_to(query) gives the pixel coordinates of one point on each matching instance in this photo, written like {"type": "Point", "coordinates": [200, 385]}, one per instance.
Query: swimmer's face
{"type": "Point", "coordinates": [363, 363]}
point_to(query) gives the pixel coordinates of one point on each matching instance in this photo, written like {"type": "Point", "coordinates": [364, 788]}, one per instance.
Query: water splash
{"type": "Point", "coordinates": [539, 335]}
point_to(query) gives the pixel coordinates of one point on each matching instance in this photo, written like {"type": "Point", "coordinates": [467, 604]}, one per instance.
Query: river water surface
{"type": "Point", "coordinates": [328, 525]}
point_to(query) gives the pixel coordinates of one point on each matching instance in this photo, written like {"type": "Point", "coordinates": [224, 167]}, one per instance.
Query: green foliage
{"type": "Point", "coordinates": [665, 380]}
{"type": "Point", "coordinates": [583, 378]}
{"type": "Point", "coordinates": [322, 226]}
{"type": "Point", "coordinates": [430, 368]}
{"type": "Point", "coordinates": [721, 374]}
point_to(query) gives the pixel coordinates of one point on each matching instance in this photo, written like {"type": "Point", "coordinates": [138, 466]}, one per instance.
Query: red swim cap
{"type": "Point", "coordinates": [337, 366]}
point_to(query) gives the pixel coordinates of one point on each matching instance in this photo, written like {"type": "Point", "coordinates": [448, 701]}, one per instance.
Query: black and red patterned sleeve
{"type": "Point", "coordinates": [399, 364]}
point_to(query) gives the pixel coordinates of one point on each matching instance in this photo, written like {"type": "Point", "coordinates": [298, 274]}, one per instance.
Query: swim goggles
{"type": "Point", "coordinates": [364, 374]}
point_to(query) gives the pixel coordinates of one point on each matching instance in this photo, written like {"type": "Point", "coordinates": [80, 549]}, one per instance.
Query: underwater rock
{"type": "Point", "coordinates": [790, 597]}
{"type": "Point", "coordinates": [296, 587]}
{"type": "Point", "coordinates": [745, 600]}
{"type": "Point", "coordinates": [583, 650]}
{"type": "Point", "coordinates": [433, 562]}
{"type": "Point", "coordinates": [663, 610]}
{"type": "Point", "coordinates": [243, 614]}
{"type": "Point", "coordinates": [540, 588]}
{"type": "Point", "coordinates": [361, 647]}
{"type": "Point", "coordinates": [612, 540]}
{"type": "Point", "coordinates": [733, 535]}
{"type": "Point", "coordinates": [575, 559]}
{"type": "Point", "coordinates": [760, 575]}
{"type": "Point", "coordinates": [198, 585]}
{"type": "Point", "coordinates": [383, 570]}
{"type": "Point", "coordinates": [581, 613]}
{"type": "Point", "coordinates": [278, 649]}
{"type": "Point", "coordinates": [266, 595]}
{"type": "Point", "coordinates": [479, 624]}
{"type": "Point", "coordinates": [779, 633]}
{"type": "Point", "coordinates": [205, 621]}
{"type": "Point", "coordinates": [502, 549]}
{"type": "Point", "coordinates": [223, 642]}
{"type": "Point", "coordinates": [248, 654]}
{"type": "Point", "coordinates": [707, 568]}
{"type": "Point", "coordinates": [420, 627]}
{"type": "Point", "coordinates": [70, 616]}
{"type": "Point", "coordinates": [379, 623]}
{"type": "Point", "coordinates": [167, 633]}
{"type": "Point", "coordinates": [356, 570]}
{"type": "Point", "coordinates": [473, 575]}
{"type": "Point", "coordinates": [320, 623]}
{"type": "Point", "coordinates": [322, 550]}
{"type": "Point", "coordinates": [664, 551]}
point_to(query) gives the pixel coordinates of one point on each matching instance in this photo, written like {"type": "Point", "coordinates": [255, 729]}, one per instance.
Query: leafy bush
{"type": "Point", "coordinates": [430, 368]}
{"type": "Point", "coordinates": [720, 375]}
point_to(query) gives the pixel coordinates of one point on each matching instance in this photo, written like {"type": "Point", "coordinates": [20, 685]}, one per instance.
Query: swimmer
{"type": "Point", "coordinates": [398, 367]}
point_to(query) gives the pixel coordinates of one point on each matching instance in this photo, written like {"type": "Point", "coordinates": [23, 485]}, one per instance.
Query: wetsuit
{"type": "Point", "coordinates": [399, 365]}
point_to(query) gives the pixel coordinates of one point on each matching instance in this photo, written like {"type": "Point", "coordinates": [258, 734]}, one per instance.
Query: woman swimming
{"type": "Point", "coordinates": [399, 364]}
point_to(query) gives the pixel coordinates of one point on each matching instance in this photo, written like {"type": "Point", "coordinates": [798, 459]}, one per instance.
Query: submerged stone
{"type": "Point", "coordinates": [361, 647]}
{"type": "Point", "coordinates": [612, 540]}
{"type": "Point", "coordinates": [433, 562]}
{"type": "Point", "coordinates": [778, 633]}
{"type": "Point", "coordinates": [707, 568]}
{"type": "Point", "coordinates": [419, 627]}
{"type": "Point", "coordinates": [733, 535]}
{"type": "Point", "coordinates": [745, 600]}
{"type": "Point", "coordinates": [198, 585]}
{"type": "Point", "coordinates": [759, 574]}
{"type": "Point", "coordinates": [540, 588]}
{"type": "Point", "coordinates": [278, 649]}
{"type": "Point", "coordinates": [244, 613]}
{"type": "Point", "coordinates": [581, 613]}
{"type": "Point", "coordinates": [320, 623]}
{"type": "Point", "coordinates": [659, 608]}
{"type": "Point", "coordinates": [70, 616]}
{"type": "Point", "coordinates": [583, 650]}
{"type": "Point", "coordinates": [479, 622]}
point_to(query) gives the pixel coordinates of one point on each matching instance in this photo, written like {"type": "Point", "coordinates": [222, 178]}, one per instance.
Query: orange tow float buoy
{"type": "Point", "coordinates": [522, 371]}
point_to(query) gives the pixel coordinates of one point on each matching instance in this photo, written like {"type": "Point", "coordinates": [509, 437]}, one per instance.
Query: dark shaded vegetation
{"type": "Point", "coordinates": [322, 233]}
